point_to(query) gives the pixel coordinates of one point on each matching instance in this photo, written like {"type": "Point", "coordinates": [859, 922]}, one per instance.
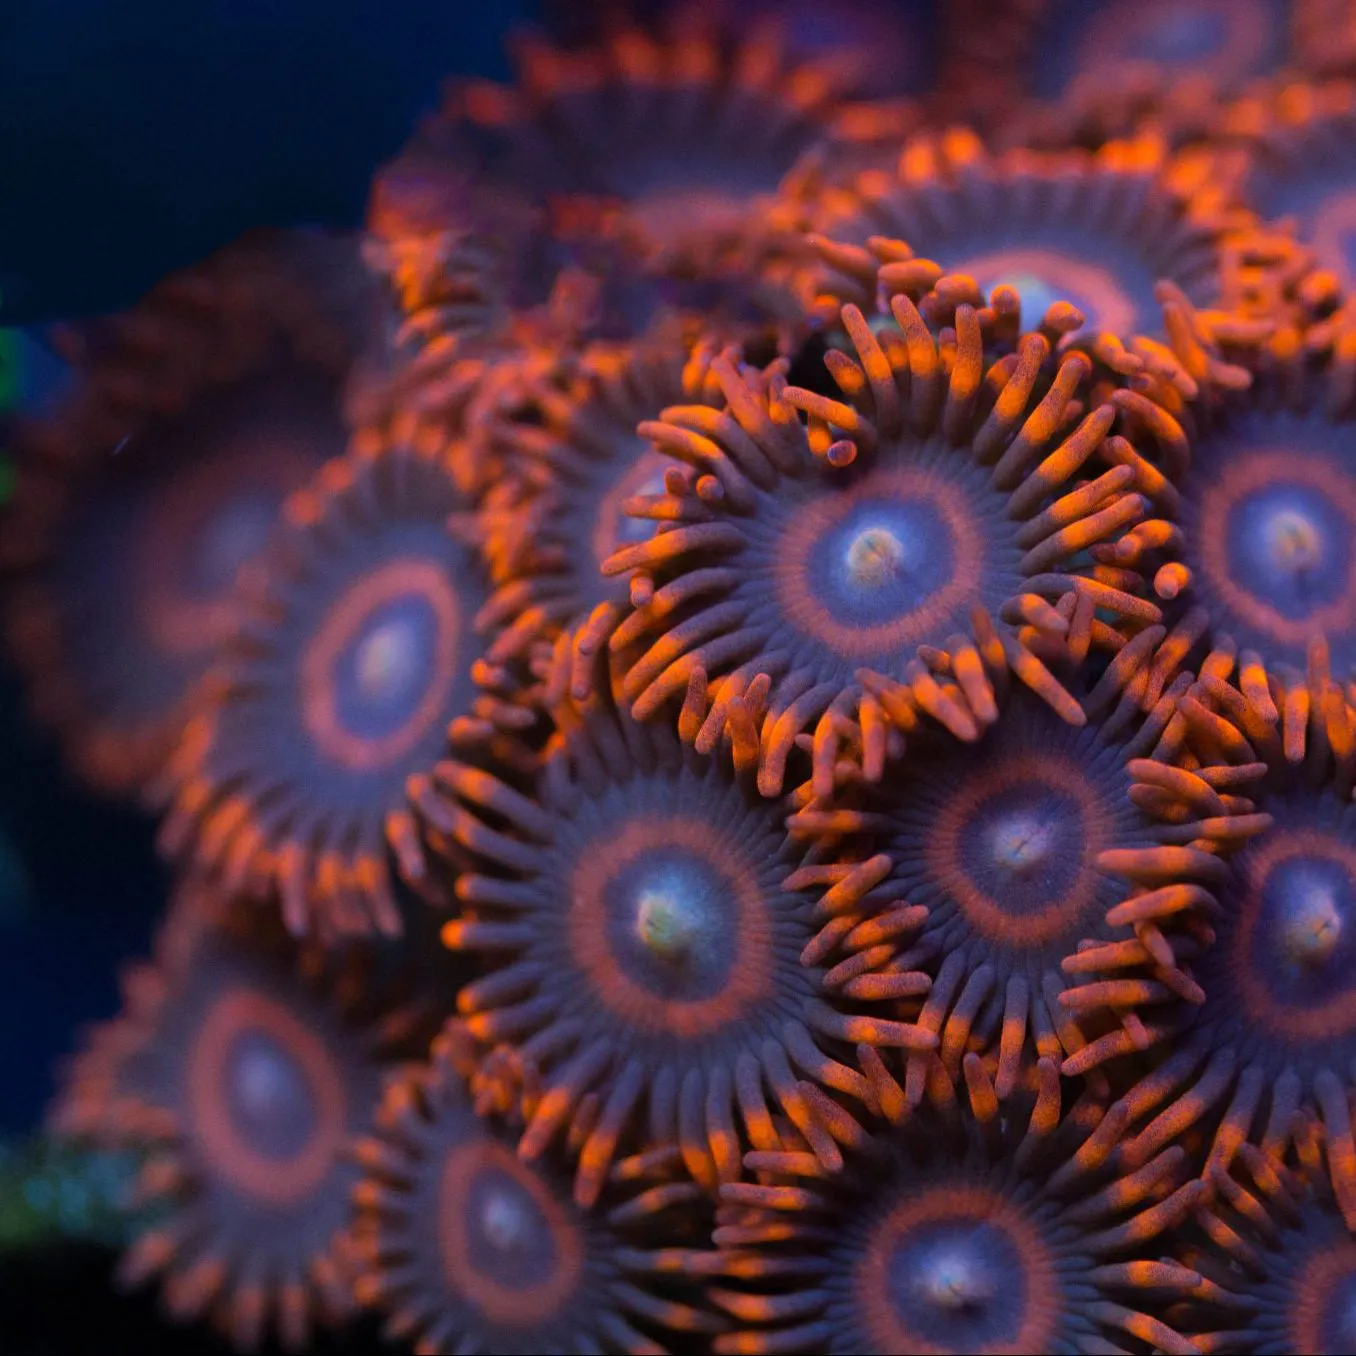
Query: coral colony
{"type": "Point", "coordinates": [752, 698]}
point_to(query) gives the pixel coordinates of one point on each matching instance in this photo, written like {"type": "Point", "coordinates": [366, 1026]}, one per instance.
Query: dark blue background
{"type": "Point", "coordinates": [138, 135]}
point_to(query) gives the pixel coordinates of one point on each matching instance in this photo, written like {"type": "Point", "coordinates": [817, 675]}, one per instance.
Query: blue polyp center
{"type": "Point", "coordinates": [1021, 845]}
{"type": "Point", "coordinates": [231, 536]}
{"type": "Point", "coordinates": [1312, 928]}
{"type": "Point", "coordinates": [1337, 1321]}
{"type": "Point", "coordinates": [1289, 547]}
{"type": "Point", "coordinates": [646, 477]}
{"type": "Point", "coordinates": [958, 1284]}
{"type": "Point", "coordinates": [882, 561]}
{"type": "Point", "coordinates": [508, 1237]}
{"type": "Point", "coordinates": [1109, 278]}
{"type": "Point", "coordinates": [1305, 944]}
{"type": "Point", "coordinates": [385, 670]}
{"type": "Point", "coordinates": [672, 925]}
{"type": "Point", "coordinates": [269, 1097]}
{"type": "Point", "coordinates": [1024, 848]}
{"type": "Point", "coordinates": [1038, 294]}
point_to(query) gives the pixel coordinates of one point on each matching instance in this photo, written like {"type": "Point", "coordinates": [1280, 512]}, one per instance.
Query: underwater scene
{"type": "Point", "coordinates": [678, 677]}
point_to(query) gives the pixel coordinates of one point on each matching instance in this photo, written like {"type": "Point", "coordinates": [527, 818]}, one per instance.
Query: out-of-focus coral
{"type": "Point", "coordinates": [239, 1070]}
{"type": "Point", "coordinates": [1287, 153]}
{"type": "Point", "coordinates": [1127, 252]}
{"type": "Point", "coordinates": [670, 143]}
{"type": "Point", "coordinates": [139, 497]}
{"type": "Point", "coordinates": [619, 189]}
{"type": "Point", "coordinates": [1097, 69]}
{"type": "Point", "coordinates": [51, 1191]}
{"type": "Point", "coordinates": [355, 649]}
